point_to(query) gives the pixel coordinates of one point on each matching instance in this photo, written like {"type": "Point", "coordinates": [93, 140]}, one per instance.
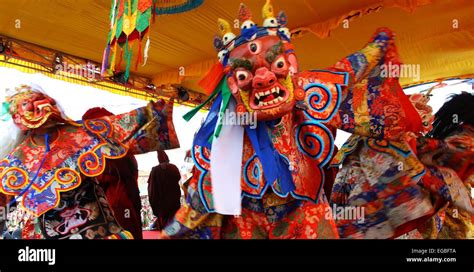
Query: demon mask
{"type": "Point", "coordinates": [260, 64]}
{"type": "Point", "coordinates": [32, 109]}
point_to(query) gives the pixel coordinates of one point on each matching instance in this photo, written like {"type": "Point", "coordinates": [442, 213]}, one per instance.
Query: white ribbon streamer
{"type": "Point", "coordinates": [226, 167]}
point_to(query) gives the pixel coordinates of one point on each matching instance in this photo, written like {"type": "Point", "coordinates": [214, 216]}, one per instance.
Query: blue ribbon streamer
{"type": "Point", "coordinates": [206, 133]}
{"type": "Point", "coordinates": [274, 165]}
{"type": "Point", "coordinates": [46, 140]}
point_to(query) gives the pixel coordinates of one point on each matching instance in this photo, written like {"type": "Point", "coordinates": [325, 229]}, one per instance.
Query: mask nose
{"type": "Point", "coordinates": [263, 78]}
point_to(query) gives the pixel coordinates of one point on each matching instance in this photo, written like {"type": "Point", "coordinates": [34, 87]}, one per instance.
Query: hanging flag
{"type": "Point", "coordinates": [130, 22]}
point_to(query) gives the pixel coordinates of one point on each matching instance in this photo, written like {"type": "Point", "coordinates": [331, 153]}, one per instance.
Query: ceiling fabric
{"type": "Point", "coordinates": [437, 35]}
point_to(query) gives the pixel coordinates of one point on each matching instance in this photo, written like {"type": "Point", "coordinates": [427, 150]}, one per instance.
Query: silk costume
{"type": "Point", "coordinates": [283, 158]}
{"type": "Point", "coordinates": [404, 185]}
{"type": "Point", "coordinates": [56, 182]}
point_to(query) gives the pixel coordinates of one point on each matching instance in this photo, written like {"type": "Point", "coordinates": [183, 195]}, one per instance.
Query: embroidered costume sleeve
{"type": "Point", "coordinates": [380, 169]}
{"type": "Point", "coordinates": [41, 175]}
{"type": "Point", "coordinates": [374, 105]}
{"type": "Point", "coordinates": [142, 130]}
{"type": "Point", "coordinates": [384, 170]}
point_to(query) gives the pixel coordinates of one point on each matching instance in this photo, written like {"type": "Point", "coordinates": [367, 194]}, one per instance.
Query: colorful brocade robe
{"type": "Point", "coordinates": [450, 177]}
{"type": "Point", "coordinates": [59, 185]}
{"type": "Point", "coordinates": [379, 177]}
{"type": "Point", "coordinates": [333, 98]}
{"type": "Point", "coordinates": [301, 138]}
{"type": "Point", "coordinates": [403, 183]}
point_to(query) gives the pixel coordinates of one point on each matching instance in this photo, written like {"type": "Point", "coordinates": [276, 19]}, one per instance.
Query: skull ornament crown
{"type": "Point", "coordinates": [260, 63]}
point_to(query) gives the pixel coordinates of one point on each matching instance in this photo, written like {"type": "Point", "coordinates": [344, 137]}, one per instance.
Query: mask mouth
{"type": "Point", "coordinates": [31, 121]}
{"type": "Point", "coordinates": [43, 107]}
{"type": "Point", "coordinates": [262, 99]}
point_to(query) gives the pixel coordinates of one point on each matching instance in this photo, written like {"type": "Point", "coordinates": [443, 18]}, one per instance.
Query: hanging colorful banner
{"type": "Point", "coordinates": [130, 22]}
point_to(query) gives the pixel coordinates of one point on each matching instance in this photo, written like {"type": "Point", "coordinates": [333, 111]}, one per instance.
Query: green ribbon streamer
{"type": "Point", "coordinates": [222, 87]}
{"type": "Point", "coordinates": [5, 113]}
{"type": "Point", "coordinates": [226, 95]}
{"type": "Point", "coordinates": [189, 115]}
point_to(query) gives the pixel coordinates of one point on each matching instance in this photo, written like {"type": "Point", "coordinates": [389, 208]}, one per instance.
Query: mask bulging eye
{"type": "Point", "coordinates": [244, 79]}
{"type": "Point", "coordinates": [242, 75]}
{"type": "Point", "coordinates": [279, 63]}
{"type": "Point", "coordinates": [254, 48]}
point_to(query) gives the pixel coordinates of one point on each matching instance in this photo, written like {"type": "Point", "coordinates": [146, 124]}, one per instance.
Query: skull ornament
{"type": "Point", "coordinates": [261, 65]}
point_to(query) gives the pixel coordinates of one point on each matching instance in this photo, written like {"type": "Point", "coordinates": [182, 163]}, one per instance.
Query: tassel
{"type": "Point", "coordinates": [128, 59]}
{"type": "Point", "coordinates": [153, 11]}
{"type": "Point", "coordinates": [112, 19]}
{"type": "Point", "coordinates": [212, 78]}
{"type": "Point", "coordinates": [139, 56]}
{"type": "Point", "coordinates": [112, 62]}
{"type": "Point", "coordinates": [105, 59]}
{"type": "Point", "coordinates": [129, 7]}
{"type": "Point", "coordinates": [119, 64]}
{"type": "Point", "coordinates": [146, 50]}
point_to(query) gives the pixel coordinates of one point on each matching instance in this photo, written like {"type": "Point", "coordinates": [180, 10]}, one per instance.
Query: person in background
{"type": "Point", "coordinates": [120, 184]}
{"type": "Point", "coordinates": [164, 191]}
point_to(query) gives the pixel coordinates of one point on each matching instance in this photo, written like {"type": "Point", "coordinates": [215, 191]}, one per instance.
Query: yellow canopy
{"type": "Point", "coordinates": [438, 35]}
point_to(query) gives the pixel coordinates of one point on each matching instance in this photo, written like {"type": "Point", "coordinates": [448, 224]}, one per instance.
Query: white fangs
{"type": "Point", "coordinates": [275, 101]}
{"type": "Point", "coordinates": [272, 102]}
